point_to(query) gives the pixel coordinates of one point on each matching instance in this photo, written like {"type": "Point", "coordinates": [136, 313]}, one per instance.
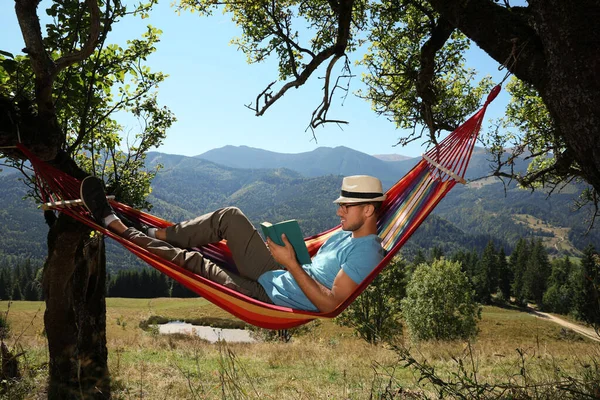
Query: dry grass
{"type": "Point", "coordinates": [327, 362]}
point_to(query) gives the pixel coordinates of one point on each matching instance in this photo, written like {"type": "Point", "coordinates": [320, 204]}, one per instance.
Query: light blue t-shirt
{"type": "Point", "coordinates": [356, 256]}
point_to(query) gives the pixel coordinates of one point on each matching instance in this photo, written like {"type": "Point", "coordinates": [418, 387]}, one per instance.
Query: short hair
{"type": "Point", "coordinates": [377, 206]}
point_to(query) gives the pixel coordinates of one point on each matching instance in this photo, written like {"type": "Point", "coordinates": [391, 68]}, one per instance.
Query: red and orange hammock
{"type": "Point", "coordinates": [408, 203]}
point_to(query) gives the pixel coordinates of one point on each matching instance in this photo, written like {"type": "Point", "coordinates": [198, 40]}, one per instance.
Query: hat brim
{"type": "Point", "coordinates": [343, 199]}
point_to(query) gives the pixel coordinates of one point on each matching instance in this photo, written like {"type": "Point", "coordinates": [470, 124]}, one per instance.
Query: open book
{"type": "Point", "coordinates": [294, 235]}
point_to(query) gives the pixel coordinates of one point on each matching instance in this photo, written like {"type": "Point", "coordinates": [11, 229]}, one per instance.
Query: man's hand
{"type": "Point", "coordinates": [324, 299]}
{"type": "Point", "coordinates": [284, 255]}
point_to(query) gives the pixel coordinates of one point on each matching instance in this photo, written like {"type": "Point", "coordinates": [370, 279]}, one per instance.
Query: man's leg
{"type": "Point", "coordinates": [250, 253]}
{"type": "Point", "coordinates": [195, 262]}
{"type": "Point", "coordinates": [94, 198]}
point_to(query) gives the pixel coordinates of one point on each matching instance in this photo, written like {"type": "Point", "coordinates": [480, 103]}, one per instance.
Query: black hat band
{"type": "Point", "coordinates": [361, 195]}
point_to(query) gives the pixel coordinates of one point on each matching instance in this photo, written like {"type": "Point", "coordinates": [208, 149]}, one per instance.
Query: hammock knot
{"type": "Point", "coordinates": [493, 94]}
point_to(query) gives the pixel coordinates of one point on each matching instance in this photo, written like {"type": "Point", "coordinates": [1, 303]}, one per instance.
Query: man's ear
{"type": "Point", "coordinates": [370, 210]}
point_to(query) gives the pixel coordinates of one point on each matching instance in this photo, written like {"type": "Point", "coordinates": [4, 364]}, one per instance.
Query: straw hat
{"type": "Point", "coordinates": [361, 189]}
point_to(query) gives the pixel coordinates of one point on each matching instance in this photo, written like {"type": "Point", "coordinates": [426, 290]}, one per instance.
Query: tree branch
{"type": "Point", "coordinates": [90, 90]}
{"type": "Point", "coordinates": [495, 28]}
{"type": "Point", "coordinates": [344, 12]}
{"type": "Point", "coordinates": [41, 62]}
{"type": "Point", "coordinates": [88, 48]}
{"type": "Point", "coordinates": [439, 35]}
{"type": "Point", "coordinates": [44, 68]}
{"type": "Point", "coordinates": [319, 116]}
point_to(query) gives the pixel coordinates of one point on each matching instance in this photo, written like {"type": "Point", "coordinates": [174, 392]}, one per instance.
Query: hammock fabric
{"type": "Point", "coordinates": [408, 203]}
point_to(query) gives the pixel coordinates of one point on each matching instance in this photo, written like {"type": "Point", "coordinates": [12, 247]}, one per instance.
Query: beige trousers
{"type": "Point", "coordinates": [250, 253]}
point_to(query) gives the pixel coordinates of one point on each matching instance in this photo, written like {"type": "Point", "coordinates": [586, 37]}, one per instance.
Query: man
{"type": "Point", "coordinates": [267, 272]}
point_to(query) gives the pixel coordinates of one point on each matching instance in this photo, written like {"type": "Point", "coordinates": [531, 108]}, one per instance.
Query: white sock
{"type": "Point", "coordinates": [109, 219]}
{"type": "Point", "coordinates": [152, 232]}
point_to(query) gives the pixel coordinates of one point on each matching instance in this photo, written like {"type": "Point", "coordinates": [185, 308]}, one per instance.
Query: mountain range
{"type": "Point", "coordinates": [334, 161]}
{"type": "Point", "coordinates": [270, 186]}
{"type": "Point", "coordinates": [319, 162]}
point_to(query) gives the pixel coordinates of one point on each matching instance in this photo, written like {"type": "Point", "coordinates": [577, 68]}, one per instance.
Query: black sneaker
{"type": "Point", "coordinates": [94, 198]}
{"type": "Point", "coordinates": [130, 223]}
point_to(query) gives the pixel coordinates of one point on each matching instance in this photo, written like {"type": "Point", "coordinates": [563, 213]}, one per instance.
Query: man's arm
{"type": "Point", "coordinates": [324, 299]}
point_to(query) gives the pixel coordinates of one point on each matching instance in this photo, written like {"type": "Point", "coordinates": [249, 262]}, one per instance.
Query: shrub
{"type": "Point", "coordinates": [375, 314]}
{"type": "Point", "coordinates": [439, 303]}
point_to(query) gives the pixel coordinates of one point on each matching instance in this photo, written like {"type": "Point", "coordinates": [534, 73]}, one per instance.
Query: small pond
{"type": "Point", "coordinates": [208, 333]}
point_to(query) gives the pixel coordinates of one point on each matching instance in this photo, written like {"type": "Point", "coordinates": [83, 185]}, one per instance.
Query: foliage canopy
{"type": "Point", "coordinates": [440, 303]}
{"type": "Point", "coordinates": [375, 315]}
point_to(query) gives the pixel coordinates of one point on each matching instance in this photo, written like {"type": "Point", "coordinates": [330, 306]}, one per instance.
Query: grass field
{"type": "Point", "coordinates": [327, 362]}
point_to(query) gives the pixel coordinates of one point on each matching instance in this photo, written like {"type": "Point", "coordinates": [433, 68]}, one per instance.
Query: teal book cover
{"type": "Point", "coordinates": [292, 230]}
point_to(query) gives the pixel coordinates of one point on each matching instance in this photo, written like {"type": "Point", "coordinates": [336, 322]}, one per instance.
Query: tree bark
{"type": "Point", "coordinates": [75, 317]}
{"type": "Point", "coordinates": [570, 37]}
{"type": "Point", "coordinates": [554, 45]}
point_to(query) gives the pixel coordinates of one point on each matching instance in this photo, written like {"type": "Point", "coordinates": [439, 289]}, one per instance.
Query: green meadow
{"type": "Point", "coordinates": [324, 361]}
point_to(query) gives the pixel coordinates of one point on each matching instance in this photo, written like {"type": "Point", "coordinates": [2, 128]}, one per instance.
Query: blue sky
{"type": "Point", "coordinates": [209, 83]}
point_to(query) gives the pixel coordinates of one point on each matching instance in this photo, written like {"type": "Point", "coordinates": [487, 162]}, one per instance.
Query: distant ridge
{"type": "Point", "coordinates": [338, 161]}
{"type": "Point", "coordinates": [319, 162]}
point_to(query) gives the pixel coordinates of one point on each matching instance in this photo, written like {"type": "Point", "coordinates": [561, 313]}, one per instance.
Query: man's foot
{"type": "Point", "coordinates": [130, 223]}
{"type": "Point", "coordinates": [94, 198]}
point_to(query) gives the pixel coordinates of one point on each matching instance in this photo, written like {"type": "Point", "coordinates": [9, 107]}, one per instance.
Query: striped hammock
{"type": "Point", "coordinates": [408, 203]}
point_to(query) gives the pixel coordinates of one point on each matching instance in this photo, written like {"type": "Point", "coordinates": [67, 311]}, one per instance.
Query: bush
{"type": "Point", "coordinates": [375, 314]}
{"type": "Point", "coordinates": [440, 303]}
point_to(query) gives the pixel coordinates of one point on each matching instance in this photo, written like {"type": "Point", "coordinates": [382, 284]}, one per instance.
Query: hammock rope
{"type": "Point", "coordinates": [408, 203]}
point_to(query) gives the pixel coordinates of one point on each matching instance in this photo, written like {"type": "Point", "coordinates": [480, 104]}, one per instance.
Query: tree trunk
{"type": "Point", "coordinates": [569, 33]}
{"type": "Point", "coordinates": [75, 317]}
{"type": "Point", "coordinates": [553, 45]}
{"type": "Point", "coordinates": [74, 274]}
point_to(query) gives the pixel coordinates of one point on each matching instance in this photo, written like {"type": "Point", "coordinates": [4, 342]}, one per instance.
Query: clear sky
{"type": "Point", "coordinates": [209, 82]}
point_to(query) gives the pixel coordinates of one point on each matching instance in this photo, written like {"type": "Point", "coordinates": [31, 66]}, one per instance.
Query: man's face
{"type": "Point", "coordinates": [352, 216]}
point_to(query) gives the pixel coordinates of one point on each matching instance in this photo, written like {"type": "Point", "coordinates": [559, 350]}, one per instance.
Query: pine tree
{"type": "Point", "coordinates": [559, 295]}
{"type": "Point", "coordinates": [505, 276]}
{"type": "Point", "coordinates": [436, 253]}
{"type": "Point", "coordinates": [468, 262]}
{"type": "Point", "coordinates": [588, 307]}
{"type": "Point", "coordinates": [485, 277]}
{"type": "Point", "coordinates": [518, 265]}
{"type": "Point", "coordinates": [4, 284]}
{"type": "Point", "coordinates": [419, 258]}
{"type": "Point", "coordinates": [16, 293]}
{"type": "Point", "coordinates": [178, 290]}
{"type": "Point", "coordinates": [32, 291]}
{"type": "Point", "coordinates": [536, 275]}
